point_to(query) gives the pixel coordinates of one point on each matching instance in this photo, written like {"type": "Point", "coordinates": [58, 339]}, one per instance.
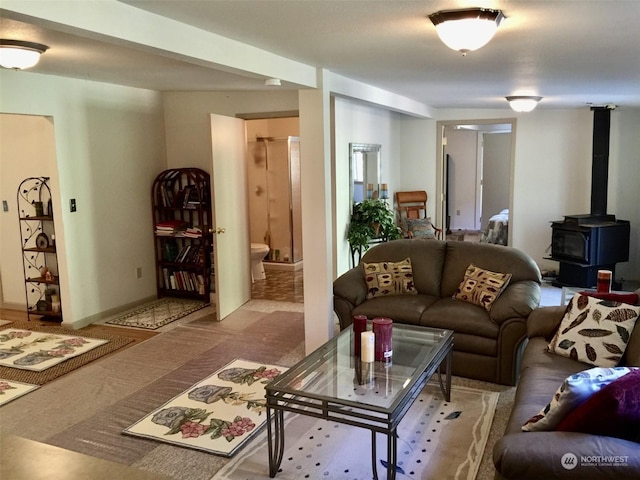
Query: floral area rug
{"type": "Point", "coordinates": [158, 313]}
{"type": "Point", "coordinates": [436, 440]}
{"type": "Point", "coordinates": [38, 351]}
{"type": "Point", "coordinates": [10, 390]}
{"type": "Point", "coordinates": [217, 415]}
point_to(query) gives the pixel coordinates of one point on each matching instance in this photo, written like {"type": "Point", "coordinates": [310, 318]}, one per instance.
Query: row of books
{"type": "Point", "coordinates": [171, 228]}
{"type": "Point", "coordinates": [193, 254]}
{"type": "Point", "coordinates": [189, 197]}
{"type": "Point", "coordinates": [183, 280]}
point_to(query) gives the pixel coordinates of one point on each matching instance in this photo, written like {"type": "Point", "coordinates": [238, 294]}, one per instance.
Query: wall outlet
{"type": "Point", "coordinates": [458, 212]}
{"type": "Point", "coordinates": [72, 205]}
{"type": "Point", "coordinates": [5, 206]}
{"type": "Point", "coordinates": [138, 272]}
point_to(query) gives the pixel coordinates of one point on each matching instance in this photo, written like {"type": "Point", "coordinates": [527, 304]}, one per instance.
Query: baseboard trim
{"type": "Point", "coordinates": [292, 267]}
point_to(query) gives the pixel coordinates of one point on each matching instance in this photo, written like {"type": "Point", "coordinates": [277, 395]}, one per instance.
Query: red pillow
{"type": "Point", "coordinates": [628, 298]}
{"type": "Point", "coordinates": [613, 411]}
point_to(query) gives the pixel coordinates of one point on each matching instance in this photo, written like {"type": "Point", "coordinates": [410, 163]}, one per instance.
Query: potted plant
{"type": "Point", "coordinates": [371, 219]}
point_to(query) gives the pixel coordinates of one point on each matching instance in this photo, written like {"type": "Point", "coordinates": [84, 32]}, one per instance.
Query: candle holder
{"type": "Point", "coordinates": [604, 281]}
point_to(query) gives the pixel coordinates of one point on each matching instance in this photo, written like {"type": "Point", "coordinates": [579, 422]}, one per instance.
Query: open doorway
{"type": "Point", "coordinates": [475, 169]}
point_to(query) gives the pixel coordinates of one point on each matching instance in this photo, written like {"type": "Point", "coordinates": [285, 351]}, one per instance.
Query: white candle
{"type": "Point", "coordinates": [368, 344]}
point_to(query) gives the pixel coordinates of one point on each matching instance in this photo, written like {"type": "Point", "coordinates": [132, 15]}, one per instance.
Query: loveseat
{"type": "Point", "coordinates": [551, 453]}
{"type": "Point", "coordinates": [486, 343]}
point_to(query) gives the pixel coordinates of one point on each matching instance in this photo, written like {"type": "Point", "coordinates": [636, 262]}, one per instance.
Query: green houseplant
{"type": "Point", "coordinates": [371, 219]}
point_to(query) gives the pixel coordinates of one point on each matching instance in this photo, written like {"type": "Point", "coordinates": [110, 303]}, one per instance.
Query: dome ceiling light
{"type": "Point", "coordinates": [18, 54]}
{"type": "Point", "coordinates": [522, 103]}
{"type": "Point", "coordinates": [467, 29]}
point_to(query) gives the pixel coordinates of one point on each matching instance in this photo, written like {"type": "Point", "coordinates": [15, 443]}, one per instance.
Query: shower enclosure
{"type": "Point", "coordinates": [274, 197]}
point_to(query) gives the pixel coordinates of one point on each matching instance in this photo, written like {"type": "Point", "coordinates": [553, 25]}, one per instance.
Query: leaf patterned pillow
{"type": "Point", "coordinates": [573, 392]}
{"type": "Point", "coordinates": [389, 278]}
{"type": "Point", "coordinates": [481, 287]}
{"type": "Point", "coordinates": [594, 331]}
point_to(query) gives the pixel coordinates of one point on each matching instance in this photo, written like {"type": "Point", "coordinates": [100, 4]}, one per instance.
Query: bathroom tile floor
{"type": "Point", "coordinates": [280, 285]}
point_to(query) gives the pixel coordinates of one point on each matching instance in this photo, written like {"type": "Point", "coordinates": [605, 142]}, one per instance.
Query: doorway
{"type": "Point", "coordinates": [475, 172]}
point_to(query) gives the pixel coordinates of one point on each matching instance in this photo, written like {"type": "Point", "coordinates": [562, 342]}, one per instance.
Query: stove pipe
{"type": "Point", "coordinates": [600, 162]}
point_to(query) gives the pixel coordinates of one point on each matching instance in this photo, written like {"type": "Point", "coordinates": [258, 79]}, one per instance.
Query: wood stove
{"type": "Point", "coordinates": [584, 244]}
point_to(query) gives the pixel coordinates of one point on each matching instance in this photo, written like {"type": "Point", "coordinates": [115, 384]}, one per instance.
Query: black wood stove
{"type": "Point", "coordinates": [584, 244]}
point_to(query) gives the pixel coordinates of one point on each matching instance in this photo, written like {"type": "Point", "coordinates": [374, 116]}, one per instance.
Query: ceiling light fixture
{"type": "Point", "coordinates": [272, 82]}
{"type": "Point", "coordinates": [18, 54]}
{"type": "Point", "coordinates": [467, 29]}
{"type": "Point", "coordinates": [522, 103]}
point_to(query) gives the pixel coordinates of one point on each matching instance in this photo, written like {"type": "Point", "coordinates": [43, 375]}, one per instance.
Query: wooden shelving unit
{"type": "Point", "coordinates": [39, 255]}
{"type": "Point", "coordinates": [181, 200]}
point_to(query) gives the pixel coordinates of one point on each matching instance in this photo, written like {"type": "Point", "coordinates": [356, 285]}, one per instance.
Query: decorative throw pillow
{"type": "Point", "coordinates": [389, 278]}
{"type": "Point", "coordinates": [614, 411]}
{"type": "Point", "coordinates": [572, 392]}
{"type": "Point", "coordinates": [420, 228]}
{"type": "Point", "coordinates": [594, 331]}
{"type": "Point", "coordinates": [481, 287]}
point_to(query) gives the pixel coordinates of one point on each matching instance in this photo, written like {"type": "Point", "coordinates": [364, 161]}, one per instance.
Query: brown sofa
{"type": "Point", "coordinates": [486, 344]}
{"type": "Point", "coordinates": [535, 455]}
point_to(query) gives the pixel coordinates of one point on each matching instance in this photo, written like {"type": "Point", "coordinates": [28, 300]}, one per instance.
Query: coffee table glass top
{"type": "Point", "coordinates": [333, 374]}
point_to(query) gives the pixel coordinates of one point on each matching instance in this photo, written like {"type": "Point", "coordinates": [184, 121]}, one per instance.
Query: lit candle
{"type": "Point", "coordinates": [368, 341]}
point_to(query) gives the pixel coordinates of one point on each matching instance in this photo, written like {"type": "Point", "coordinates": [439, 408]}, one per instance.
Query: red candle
{"type": "Point", "coordinates": [359, 326]}
{"type": "Point", "coordinates": [604, 281]}
{"type": "Point", "coordinates": [382, 328]}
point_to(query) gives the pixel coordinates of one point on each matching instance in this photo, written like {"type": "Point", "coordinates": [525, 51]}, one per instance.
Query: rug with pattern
{"type": "Point", "coordinates": [217, 415]}
{"type": "Point", "coordinates": [38, 351]}
{"type": "Point", "coordinates": [158, 313]}
{"type": "Point", "coordinates": [436, 440]}
{"type": "Point", "coordinates": [10, 390]}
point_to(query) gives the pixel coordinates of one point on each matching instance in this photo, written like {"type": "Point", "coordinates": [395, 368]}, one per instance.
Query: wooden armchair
{"type": "Point", "coordinates": [410, 205]}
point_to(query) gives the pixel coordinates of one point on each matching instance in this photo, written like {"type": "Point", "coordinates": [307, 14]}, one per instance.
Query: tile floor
{"type": "Point", "coordinates": [280, 285]}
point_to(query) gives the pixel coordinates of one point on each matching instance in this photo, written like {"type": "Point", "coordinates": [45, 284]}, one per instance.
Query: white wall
{"type": "Point", "coordinates": [27, 149]}
{"type": "Point", "coordinates": [496, 174]}
{"type": "Point", "coordinates": [462, 146]}
{"type": "Point", "coordinates": [109, 147]}
{"type": "Point", "coordinates": [552, 174]}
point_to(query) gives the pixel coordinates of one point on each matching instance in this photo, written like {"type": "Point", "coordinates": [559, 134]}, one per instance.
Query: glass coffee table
{"type": "Point", "coordinates": [331, 383]}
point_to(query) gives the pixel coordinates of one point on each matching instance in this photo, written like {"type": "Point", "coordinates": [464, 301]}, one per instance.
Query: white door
{"type": "Point", "coordinates": [230, 215]}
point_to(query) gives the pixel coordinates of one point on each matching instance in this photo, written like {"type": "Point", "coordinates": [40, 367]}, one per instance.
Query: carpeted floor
{"type": "Point", "coordinates": [101, 399]}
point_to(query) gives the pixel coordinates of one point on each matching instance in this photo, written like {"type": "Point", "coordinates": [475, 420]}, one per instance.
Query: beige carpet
{"type": "Point", "coordinates": [95, 403]}
{"type": "Point", "coordinates": [436, 439]}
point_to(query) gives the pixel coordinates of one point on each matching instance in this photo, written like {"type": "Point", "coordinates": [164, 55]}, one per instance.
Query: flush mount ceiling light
{"type": "Point", "coordinates": [522, 103]}
{"type": "Point", "coordinates": [18, 54]}
{"type": "Point", "coordinates": [467, 29]}
{"type": "Point", "coordinates": [272, 82]}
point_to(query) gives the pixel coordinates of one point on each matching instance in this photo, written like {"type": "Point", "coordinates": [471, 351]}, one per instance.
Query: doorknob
{"type": "Point", "coordinates": [219, 230]}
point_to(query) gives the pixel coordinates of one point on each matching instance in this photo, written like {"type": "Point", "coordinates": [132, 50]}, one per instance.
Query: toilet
{"type": "Point", "coordinates": [258, 252]}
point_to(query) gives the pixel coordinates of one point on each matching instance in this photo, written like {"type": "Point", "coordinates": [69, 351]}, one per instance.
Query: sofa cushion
{"type": "Point", "coordinates": [573, 391]}
{"type": "Point", "coordinates": [614, 411]}
{"type": "Point", "coordinates": [389, 278]}
{"type": "Point", "coordinates": [400, 308]}
{"type": "Point", "coordinates": [481, 287]}
{"type": "Point", "coordinates": [594, 331]}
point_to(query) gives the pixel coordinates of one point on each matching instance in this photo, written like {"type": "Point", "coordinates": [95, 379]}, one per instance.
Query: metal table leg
{"type": "Point", "coordinates": [446, 389]}
{"type": "Point", "coordinates": [275, 440]}
{"type": "Point", "coordinates": [392, 455]}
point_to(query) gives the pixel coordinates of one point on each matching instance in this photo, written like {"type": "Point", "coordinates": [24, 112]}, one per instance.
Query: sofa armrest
{"type": "Point", "coordinates": [517, 301]}
{"type": "Point", "coordinates": [537, 455]}
{"type": "Point", "coordinates": [349, 291]}
{"type": "Point", "coordinates": [544, 321]}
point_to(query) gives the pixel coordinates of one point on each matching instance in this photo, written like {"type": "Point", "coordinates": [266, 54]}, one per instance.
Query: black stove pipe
{"type": "Point", "coordinates": [600, 163]}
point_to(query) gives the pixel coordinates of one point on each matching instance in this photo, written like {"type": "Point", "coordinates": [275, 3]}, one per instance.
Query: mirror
{"type": "Point", "coordinates": [364, 177]}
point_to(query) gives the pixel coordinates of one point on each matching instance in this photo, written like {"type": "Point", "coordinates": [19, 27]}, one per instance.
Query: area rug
{"type": "Point", "coordinates": [104, 344]}
{"type": "Point", "coordinates": [10, 390]}
{"type": "Point", "coordinates": [158, 313]}
{"type": "Point", "coordinates": [38, 351]}
{"type": "Point", "coordinates": [217, 415]}
{"type": "Point", "coordinates": [436, 439]}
